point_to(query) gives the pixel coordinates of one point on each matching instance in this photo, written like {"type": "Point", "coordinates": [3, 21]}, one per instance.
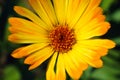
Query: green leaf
{"type": "Point", "coordinates": [109, 61]}
{"type": "Point", "coordinates": [116, 16]}
{"type": "Point", "coordinates": [117, 39]}
{"type": "Point", "coordinates": [105, 73]}
{"type": "Point", "coordinates": [11, 73]}
{"type": "Point", "coordinates": [106, 4]}
{"type": "Point", "coordinates": [114, 53]}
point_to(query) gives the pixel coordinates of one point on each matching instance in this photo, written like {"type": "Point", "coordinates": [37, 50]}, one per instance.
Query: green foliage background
{"type": "Point", "coordinates": [14, 69]}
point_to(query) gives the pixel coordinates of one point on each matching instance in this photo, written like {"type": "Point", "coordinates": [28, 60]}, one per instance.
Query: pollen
{"type": "Point", "coordinates": [62, 38]}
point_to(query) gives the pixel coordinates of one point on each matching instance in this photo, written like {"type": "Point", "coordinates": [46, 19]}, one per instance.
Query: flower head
{"type": "Point", "coordinates": [63, 30]}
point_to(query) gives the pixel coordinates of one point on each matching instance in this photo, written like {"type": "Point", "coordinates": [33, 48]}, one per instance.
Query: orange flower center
{"type": "Point", "coordinates": [62, 38]}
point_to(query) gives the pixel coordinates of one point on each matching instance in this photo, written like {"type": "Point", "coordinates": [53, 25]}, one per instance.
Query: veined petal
{"type": "Point", "coordinates": [94, 16]}
{"type": "Point", "coordinates": [91, 12]}
{"type": "Point", "coordinates": [61, 9]}
{"type": "Point", "coordinates": [89, 53]}
{"type": "Point", "coordinates": [92, 5]}
{"type": "Point", "coordinates": [87, 58]}
{"type": "Point", "coordinates": [27, 50]}
{"type": "Point", "coordinates": [90, 56]}
{"type": "Point", "coordinates": [98, 30]}
{"type": "Point", "coordinates": [48, 7]}
{"type": "Point", "coordinates": [60, 70]}
{"type": "Point", "coordinates": [92, 9]}
{"type": "Point", "coordinates": [15, 30]}
{"type": "Point", "coordinates": [20, 25]}
{"type": "Point", "coordinates": [50, 74]}
{"type": "Point", "coordinates": [39, 57]}
{"type": "Point", "coordinates": [39, 9]}
{"type": "Point", "coordinates": [73, 67]}
{"type": "Point", "coordinates": [92, 24]}
{"type": "Point", "coordinates": [97, 50]}
{"type": "Point", "coordinates": [82, 65]}
{"type": "Point", "coordinates": [32, 32]}
{"type": "Point", "coordinates": [76, 8]}
{"type": "Point", "coordinates": [30, 15]}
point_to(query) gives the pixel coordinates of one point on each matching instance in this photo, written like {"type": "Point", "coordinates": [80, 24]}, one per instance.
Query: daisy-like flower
{"type": "Point", "coordinates": [63, 31]}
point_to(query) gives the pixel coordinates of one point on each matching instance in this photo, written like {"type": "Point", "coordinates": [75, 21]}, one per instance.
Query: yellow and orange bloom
{"type": "Point", "coordinates": [65, 31]}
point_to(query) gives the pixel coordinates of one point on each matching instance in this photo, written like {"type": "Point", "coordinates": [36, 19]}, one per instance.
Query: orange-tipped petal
{"type": "Point", "coordinates": [40, 55]}
{"type": "Point", "coordinates": [27, 50]}
{"type": "Point", "coordinates": [38, 58]}
{"type": "Point", "coordinates": [30, 15]}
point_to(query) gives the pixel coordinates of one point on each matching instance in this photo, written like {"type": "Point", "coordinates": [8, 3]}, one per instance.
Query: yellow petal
{"type": "Point", "coordinates": [72, 66]}
{"type": "Point", "coordinates": [19, 25]}
{"type": "Point", "coordinates": [98, 43]}
{"type": "Point", "coordinates": [73, 56]}
{"type": "Point", "coordinates": [97, 63]}
{"type": "Point", "coordinates": [25, 31]}
{"type": "Point", "coordinates": [39, 9]}
{"type": "Point", "coordinates": [60, 9]}
{"type": "Point", "coordinates": [91, 55]}
{"type": "Point", "coordinates": [102, 51]}
{"type": "Point", "coordinates": [100, 19]}
{"type": "Point", "coordinates": [100, 29]}
{"type": "Point", "coordinates": [27, 50]}
{"type": "Point", "coordinates": [75, 10]}
{"type": "Point", "coordinates": [90, 12]}
{"type": "Point", "coordinates": [87, 56]}
{"type": "Point", "coordinates": [92, 8]}
{"type": "Point", "coordinates": [81, 64]}
{"type": "Point", "coordinates": [39, 57]}
{"type": "Point", "coordinates": [27, 38]}
{"type": "Point", "coordinates": [60, 70]}
{"type": "Point", "coordinates": [30, 15]}
{"type": "Point", "coordinates": [48, 7]}
{"type": "Point", "coordinates": [92, 5]}
{"type": "Point", "coordinates": [50, 74]}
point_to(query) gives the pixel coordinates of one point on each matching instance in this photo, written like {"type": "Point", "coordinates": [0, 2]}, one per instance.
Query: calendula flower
{"type": "Point", "coordinates": [66, 31]}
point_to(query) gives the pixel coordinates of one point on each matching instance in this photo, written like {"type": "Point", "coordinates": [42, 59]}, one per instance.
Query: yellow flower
{"type": "Point", "coordinates": [64, 31]}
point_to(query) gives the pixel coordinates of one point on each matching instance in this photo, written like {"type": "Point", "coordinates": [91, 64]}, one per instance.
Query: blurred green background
{"type": "Point", "coordinates": [15, 69]}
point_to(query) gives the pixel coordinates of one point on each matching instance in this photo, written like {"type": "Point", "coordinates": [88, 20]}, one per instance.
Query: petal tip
{"type": "Point", "coordinates": [16, 8]}
{"type": "Point", "coordinates": [26, 61]}
{"type": "Point", "coordinates": [112, 44]}
{"type": "Point", "coordinates": [13, 55]}
{"type": "Point", "coordinates": [30, 68]}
